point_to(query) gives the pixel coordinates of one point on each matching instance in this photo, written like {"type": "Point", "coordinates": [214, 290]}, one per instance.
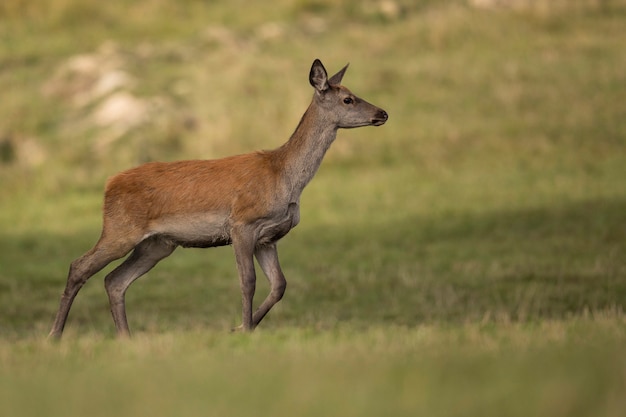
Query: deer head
{"type": "Point", "coordinates": [340, 105]}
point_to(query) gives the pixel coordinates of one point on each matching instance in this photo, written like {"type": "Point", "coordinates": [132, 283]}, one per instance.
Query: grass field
{"type": "Point", "coordinates": [467, 258]}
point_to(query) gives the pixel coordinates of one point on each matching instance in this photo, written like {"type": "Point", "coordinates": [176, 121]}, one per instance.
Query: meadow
{"type": "Point", "coordinates": [466, 258]}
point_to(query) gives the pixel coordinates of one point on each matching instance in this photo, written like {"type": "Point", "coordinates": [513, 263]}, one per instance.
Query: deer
{"type": "Point", "coordinates": [249, 201]}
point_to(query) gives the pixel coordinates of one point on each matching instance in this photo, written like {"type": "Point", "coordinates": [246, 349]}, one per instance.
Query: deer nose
{"type": "Point", "coordinates": [381, 118]}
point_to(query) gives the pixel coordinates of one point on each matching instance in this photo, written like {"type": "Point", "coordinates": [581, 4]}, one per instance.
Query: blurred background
{"type": "Point", "coordinates": [496, 189]}
{"type": "Point", "coordinates": [467, 258]}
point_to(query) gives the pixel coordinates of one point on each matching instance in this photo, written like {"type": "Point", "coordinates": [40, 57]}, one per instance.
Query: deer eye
{"type": "Point", "coordinates": [347, 100]}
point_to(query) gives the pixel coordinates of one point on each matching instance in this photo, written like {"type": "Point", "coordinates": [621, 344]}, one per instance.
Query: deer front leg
{"type": "Point", "coordinates": [267, 256]}
{"type": "Point", "coordinates": [243, 245]}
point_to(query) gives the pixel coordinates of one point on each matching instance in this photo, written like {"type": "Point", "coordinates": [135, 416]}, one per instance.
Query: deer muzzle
{"type": "Point", "coordinates": [380, 118]}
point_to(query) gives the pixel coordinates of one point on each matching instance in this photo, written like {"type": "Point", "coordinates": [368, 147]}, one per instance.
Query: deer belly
{"type": "Point", "coordinates": [197, 230]}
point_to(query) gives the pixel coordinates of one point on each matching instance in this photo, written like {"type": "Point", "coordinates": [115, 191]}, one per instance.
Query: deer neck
{"type": "Point", "coordinates": [302, 155]}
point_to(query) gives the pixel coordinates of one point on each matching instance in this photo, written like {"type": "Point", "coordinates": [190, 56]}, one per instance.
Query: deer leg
{"type": "Point", "coordinates": [81, 270]}
{"type": "Point", "coordinates": [145, 256]}
{"type": "Point", "coordinates": [267, 256]}
{"type": "Point", "coordinates": [243, 245]}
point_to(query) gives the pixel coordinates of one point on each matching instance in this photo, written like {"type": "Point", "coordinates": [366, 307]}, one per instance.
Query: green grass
{"type": "Point", "coordinates": [467, 258]}
{"type": "Point", "coordinates": [549, 369]}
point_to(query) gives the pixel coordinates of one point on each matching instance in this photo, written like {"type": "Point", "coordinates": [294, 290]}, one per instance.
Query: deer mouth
{"type": "Point", "coordinates": [380, 119]}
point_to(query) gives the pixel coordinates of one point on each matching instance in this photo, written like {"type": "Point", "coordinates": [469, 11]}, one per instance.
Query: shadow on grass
{"type": "Point", "coordinates": [513, 265]}
{"type": "Point", "coordinates": [521, 265]}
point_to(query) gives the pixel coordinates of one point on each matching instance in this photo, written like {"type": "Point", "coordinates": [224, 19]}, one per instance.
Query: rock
{"type": "Point", "coordinates": [122, 111]}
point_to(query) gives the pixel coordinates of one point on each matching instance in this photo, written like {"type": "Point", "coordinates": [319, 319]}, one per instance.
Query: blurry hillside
{"type": "Point", "coordinates": [90, 88]}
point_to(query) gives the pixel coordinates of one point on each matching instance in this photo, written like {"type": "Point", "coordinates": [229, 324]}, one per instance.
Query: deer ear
{"type": "Point", "coordinates": [318, 76]}
{"type": "Point", "coordinates": [336, 79]}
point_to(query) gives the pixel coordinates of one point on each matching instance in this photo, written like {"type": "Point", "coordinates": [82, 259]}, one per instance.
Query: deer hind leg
{"type": "Point", "coordinates": [83, 268]}
{"type": "Point", "coordinates": [267, 256]}
{"type": "Point", "coordinates": [145, 256]}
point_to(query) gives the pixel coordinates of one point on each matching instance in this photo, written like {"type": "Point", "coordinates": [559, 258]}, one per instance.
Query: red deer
{"type": "Point", "coordinates": [248, 201]}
